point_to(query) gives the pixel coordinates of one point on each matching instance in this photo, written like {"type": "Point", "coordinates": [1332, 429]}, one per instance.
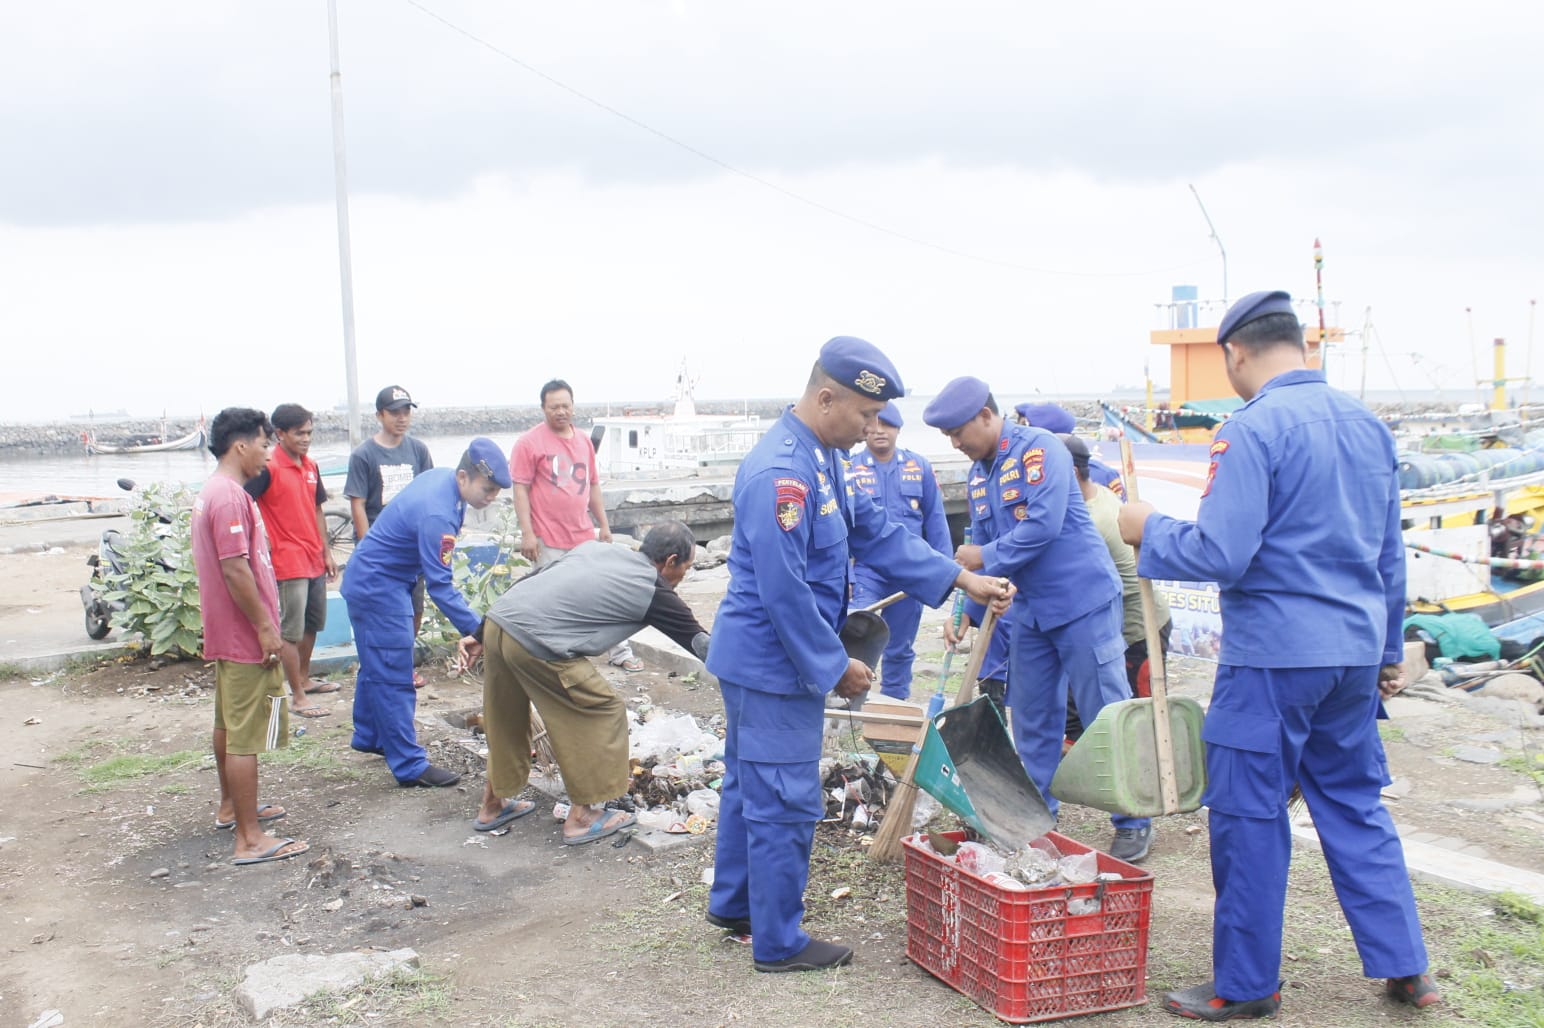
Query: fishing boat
{"type": "Point", "coordinates": [681, 442]}
{"type": "Point", "coordinates": [146, 442]}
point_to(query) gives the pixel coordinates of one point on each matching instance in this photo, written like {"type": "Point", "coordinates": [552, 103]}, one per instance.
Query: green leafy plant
{"type": "Point", "coordinates": [158, 586]}
{"type": "Point", "coordinates": [481, 585]}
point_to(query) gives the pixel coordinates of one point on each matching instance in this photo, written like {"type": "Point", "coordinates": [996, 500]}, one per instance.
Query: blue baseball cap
{"type": "Point", "coordinates": [858, 365]}
{"type": "Point", "coordinates": [956, 403]}
{"type": "Point", "coordinates": [891, 415]}
{"type": "Point", "coordinates": [485, 456]}
{"type": "Point", "coordinates": [1252, 308]}
{"type": "Point", "coordinates": [1049, 416]}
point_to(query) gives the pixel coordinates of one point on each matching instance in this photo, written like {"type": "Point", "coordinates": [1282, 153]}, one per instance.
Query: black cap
{"type": "Point", "coordinates": [393, 398]}
{"type": "Point", "coordinates": [1077, 447]}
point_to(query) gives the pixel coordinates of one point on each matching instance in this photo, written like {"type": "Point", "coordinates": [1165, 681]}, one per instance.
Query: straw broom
{"type": "Point", "coordinates": [903, 802]}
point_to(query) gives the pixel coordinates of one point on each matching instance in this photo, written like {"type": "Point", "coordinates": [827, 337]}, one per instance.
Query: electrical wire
{"type": "Point", "coordinates": [773, 186]}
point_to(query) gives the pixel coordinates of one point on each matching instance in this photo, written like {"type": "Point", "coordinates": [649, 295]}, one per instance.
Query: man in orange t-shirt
{"type": "Point", "coordinates": [290, 493]}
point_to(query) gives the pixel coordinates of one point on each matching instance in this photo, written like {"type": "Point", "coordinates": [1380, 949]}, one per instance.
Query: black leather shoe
{"type": "Point", "coordinates": [738, 925]}
{"type": "Point", "coordinates": [815, 956]}
{"type": "Point", "coordinates": [434, 778]}
{"type": "Point", "coordinates": [1202, 1003]}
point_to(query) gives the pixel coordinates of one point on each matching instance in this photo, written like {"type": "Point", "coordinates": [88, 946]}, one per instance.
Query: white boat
{"type": "Point", "coordinates": [150, 443]}
{"type": "Point", "coordinates": [681, 443]}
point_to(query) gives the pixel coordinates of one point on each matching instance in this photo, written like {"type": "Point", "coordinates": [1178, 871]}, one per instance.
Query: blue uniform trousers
{"type": "Point", "coordinates": [1267, 728]}
{"type": "Point", "coordinates": [902, 617]}
{"type": "Point", "coordinates": [767, 812]}
{"type": "Point", "coordinates": [1086, 655]}
{"type": "Point", "coordinates": [384, 697]}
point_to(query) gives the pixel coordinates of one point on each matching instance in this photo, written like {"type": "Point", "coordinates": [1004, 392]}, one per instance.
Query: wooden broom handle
{"type": "Point", "coordinates": [1163, 735]}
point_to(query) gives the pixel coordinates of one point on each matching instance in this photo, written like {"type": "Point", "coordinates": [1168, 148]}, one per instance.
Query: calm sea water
{"type": "Point", "coordinates": [85, 474]}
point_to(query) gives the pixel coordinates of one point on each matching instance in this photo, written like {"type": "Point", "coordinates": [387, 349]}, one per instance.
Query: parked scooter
{"type": "Point", "coordinates": [108, 560]}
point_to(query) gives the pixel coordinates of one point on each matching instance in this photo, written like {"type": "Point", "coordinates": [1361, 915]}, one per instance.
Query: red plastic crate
{"type": "Point", "coordinates": [1017, 953]}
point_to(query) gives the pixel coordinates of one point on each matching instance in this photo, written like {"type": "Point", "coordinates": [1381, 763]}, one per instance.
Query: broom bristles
{"type": "Point", "coordinates": [541, 744]}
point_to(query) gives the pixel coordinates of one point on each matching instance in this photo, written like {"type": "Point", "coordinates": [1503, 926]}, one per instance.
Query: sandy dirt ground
{"type": "Point", "coordinates": [118, 904]}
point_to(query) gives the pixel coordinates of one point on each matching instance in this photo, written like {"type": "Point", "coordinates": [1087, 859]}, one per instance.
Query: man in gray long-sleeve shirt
{"type": "Point", "coordinates": [537, 641]}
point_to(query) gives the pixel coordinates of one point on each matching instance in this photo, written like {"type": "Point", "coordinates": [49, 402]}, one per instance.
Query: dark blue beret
{"type": "Point", "coordinates": [1049, 416]}
{"type": "Point", "coordinates": [891, 415]}
{"type": "Point", "coordinates": [1252, 308]}
{"type": "Point", "coordinates": [956, 403]}
{"type": "Point", "coordinates": [485, 455]}
{"type": "Point", "coordinates": [858, 365]}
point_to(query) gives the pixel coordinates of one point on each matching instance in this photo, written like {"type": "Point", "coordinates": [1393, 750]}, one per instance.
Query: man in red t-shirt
{"type": "Point", "coordinates": [290, 494]}
{"type": "Point", "coordinates": [238, 597]}
{"type": "Point", "coordinates": [557, 491]}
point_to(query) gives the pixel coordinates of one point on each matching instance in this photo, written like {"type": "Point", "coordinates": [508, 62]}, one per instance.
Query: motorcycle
{"type": "Point", "coordinates": [107, 561]}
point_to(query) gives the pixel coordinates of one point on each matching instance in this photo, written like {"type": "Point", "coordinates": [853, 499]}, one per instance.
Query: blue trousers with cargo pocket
{"type": "Point", "coordinates": [1267, 728]}
{"type": "Point", "coordinates": [767, 813]}
{"type": "Point", "coordinates": [384, 697]}
{"type": "Point", "coordinates": [1086, 655]}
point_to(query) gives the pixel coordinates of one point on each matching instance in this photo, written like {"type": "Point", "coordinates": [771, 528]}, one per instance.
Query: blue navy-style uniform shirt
{"type": "Point", "coordinates": [798, 521]}
{"type": "Point", "coordinates": [1299, 526]}
{"type": "Point", "coordinates": [907, 490]}
{"type": "Point", "coordinates": [1028, 514]}
{"type": "Point", "coordinates": [415, 534]}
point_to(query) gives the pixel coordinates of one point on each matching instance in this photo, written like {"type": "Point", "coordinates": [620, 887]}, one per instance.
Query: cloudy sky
{"type": "Point", "coordinates": [599, 190]}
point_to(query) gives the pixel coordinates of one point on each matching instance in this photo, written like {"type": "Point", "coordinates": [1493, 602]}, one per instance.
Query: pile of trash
{"type": "Point", "coordinates": [1039, 865]}
{"type": "Point", "coordinates": [677, 771]}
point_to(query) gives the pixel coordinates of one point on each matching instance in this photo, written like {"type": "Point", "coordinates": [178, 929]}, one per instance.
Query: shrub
{"type": "Point", "coordinates": [158, 586]}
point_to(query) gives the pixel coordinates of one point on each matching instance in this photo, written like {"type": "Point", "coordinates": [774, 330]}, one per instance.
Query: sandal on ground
{"type": "Point", "coordinates": [313, 710]}
{"type": "Point", "coordinates": [599, 829]}
{"type": "Point", "coordinates": [272, 853]}
{"type": "Point", "coordinates": [631, 665]}
{"type": "Point", "coordinates": [419, 681]}
{"type": "Point", "coordinates": [512, 810]}
{"type": "Point", "coordinates": [267, 812]}
{"type": "Point", "coordinates": [316, 686]}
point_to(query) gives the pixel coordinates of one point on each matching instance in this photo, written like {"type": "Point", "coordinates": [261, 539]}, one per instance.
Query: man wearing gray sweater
{"type": "Point", "coordinates": [537, 641]}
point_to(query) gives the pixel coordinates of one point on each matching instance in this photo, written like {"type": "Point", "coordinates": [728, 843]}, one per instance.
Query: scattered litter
{"type": "Point", "coordinates": [476, 840]}
{"type": "Point", "coordinates": [48, 1019]}
{"type": "Point", "coordinates": [33, 721]}
{"type": "Point", "coordinates": [674, 896]}
{"type": "Point", "coordinates": [333, 905]}
{"type": "Point", "coordinates": [160, 872]}
{"type": "Point", "coordinates": [841, 893]}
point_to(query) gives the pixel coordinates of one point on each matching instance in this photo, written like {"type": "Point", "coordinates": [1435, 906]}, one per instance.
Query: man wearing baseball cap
{"type": "Point", "coordinates": [798, 521]}
{"type": "Point", "coordinates": [382, 466]}
{"type": "Point", "coordinates": [415, 535]}
{"type": "Point", "coordinates": [1030, 524]}
{"type": "Point", "coordinates": [1299, 525]}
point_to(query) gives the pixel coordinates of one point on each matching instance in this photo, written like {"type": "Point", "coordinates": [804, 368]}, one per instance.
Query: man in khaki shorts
{"type": "Point", "coordinates": [238, 597]}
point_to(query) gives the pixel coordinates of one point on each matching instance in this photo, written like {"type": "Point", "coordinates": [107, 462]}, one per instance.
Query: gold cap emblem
{"type": "Point", "coordinates": [869, 382]}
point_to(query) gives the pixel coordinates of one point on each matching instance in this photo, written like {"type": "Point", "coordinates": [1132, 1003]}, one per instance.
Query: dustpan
{"type": "Point", "coordinates": [1141, 757]}
{"type": "Point", "coordinates": [969, 764]}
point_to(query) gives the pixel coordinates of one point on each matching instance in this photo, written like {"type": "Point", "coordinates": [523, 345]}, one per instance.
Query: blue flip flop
{"type": "Point", "coordinates": [511, 811]}
{"type": "Point", "coordinates": [262, 818]}
{"type": "Point", "coordinates": [599, 829]}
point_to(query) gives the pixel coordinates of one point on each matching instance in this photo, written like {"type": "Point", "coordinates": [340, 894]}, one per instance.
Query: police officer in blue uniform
{"type": "Point", "coordinates": [1299, 525]}
{"type": "Point", "coordinates": [415, 535]}
{"type": "Point", "coordinates": [798, 521]}
{"type": "Point", "coordinates": [903, 484]}
{"type": "Point", "coordinates": [1030, 524]}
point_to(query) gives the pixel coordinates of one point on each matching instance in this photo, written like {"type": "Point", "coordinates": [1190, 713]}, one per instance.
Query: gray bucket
{"type": "Point", "coordinates": [864, 636]}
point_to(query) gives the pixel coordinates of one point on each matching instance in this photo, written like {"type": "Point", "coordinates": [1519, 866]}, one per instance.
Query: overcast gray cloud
{"type": "Point", "coordinates": [165, 111]}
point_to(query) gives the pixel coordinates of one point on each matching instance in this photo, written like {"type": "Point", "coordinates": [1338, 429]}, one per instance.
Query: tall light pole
{"type": "Point", "coordinates": [1216, 239]}
{"type": "Point", "coordinates": [345, 258]}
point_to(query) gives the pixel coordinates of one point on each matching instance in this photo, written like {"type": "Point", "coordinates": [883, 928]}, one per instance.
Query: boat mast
{"type": "Point", "coordinates": [345, 257]}
{"type": "Point", "coordinates": [1318, 278]}
{"type": "Point", "coordinates": [1216, 239]}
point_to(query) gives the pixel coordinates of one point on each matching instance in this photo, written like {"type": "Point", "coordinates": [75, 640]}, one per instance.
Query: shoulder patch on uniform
{"type": "Point", "coordinates": [791, 485]}
{"type": "Point", "coordinates": [1010, 475]}
{"type": "Point", "coordinates": [1021, 512]}
{"type": "Point", "coordinates": [1219, 447]}
{"type": "Point", "coordinates": [447, 549]}
{"type": "Point", "coordinates": [1009, 495]}
{"type": "Point", "coordinates": [1034, 475]}
{"type": "Point", "coordinates": [789, 513]}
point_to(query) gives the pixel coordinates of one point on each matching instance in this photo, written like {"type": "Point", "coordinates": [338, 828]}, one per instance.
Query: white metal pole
{"type": "Point", "coordinates": [345, 258]}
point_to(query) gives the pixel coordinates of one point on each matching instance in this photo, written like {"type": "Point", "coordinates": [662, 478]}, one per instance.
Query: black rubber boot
{"type": "Point", "coordinates": [738, 925]}
{"type": "Point", "coordinates": [815, 956]}
{"type": "Point", "coordinates": [1414, 989]}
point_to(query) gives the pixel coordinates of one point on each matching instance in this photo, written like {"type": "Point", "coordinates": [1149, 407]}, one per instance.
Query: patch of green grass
{"type": "Point", "coordinates": [1519, 907]}
{"type": "Point", "coordinates": [308, 753]}
{"type": "Point", "coordinates": [175, 789]}
{"type": "Point", "coordinates": [400, 997]}
{"type": "Point", "coordinates": [1522, 763]}
{"type": "Point", "coordinates": [85, 753]}
{"type": "Point", "coordinates": [1390, 732]}
{"type": "Point", "coordinates": [128, 767]}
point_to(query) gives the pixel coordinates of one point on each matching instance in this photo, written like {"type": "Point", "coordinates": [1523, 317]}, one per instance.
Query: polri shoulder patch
{"type": "Point", "coordinates": [447, 549]}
